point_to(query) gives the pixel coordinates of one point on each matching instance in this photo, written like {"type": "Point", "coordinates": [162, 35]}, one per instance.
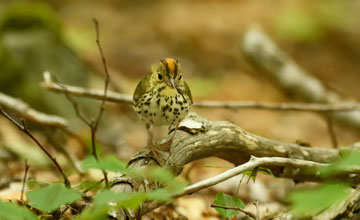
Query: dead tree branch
{"type": "Point", "coordinates": [127, 99]}
{"type": "Point", "coordinates": [25, 111]}
{"type": "Point", "coordinates": [31, 114]}
{"type": "Point", "coordinates": [266, 57]}
{"type": "Point", "coordinates": [198, 138]}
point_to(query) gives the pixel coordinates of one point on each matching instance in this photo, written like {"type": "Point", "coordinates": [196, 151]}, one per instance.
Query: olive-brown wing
{"type": "Point", "coordinates": [188, 92]}
{"type": "Point", "coordinates": [141, 88]}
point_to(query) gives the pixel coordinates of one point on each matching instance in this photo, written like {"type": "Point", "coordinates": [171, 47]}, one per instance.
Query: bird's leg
{"type": "Point", "coordinates": [170, 141]}
{"type": "Point", "coordinates": [150, 142]}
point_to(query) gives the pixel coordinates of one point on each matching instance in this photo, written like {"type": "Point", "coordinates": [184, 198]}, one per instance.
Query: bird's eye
{"type": "Point", "coordinates": [180, 77]}
{"type": "Point", "coordinates": [160, 76]}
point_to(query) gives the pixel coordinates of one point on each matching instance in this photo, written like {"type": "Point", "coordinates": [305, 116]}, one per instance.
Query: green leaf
{"type": "Point", "coordinates": [110, 163]}
{"type": "Point", "coordinates": [90, 163]}
{"type": "Point", "coordinates": [125, 200]}
{"type": "Point", "coordinates": [309, 202]}
{"type": "Point", "coordinates": [89, 185]}
{"type": "Point", "coordinates": [253, 172]}
{"type": "Point", "coordinates": [11, 211]}
{"type": "Point", "coordinates": [34, 183]}
{"type": "Point", "coordinates": [161, 175]}
{"type": "Point", "coordinates": [51, 197]}
{"type": "Point", "coordinates": [96, 212]}
{"type": "Point", "coordinates": [166, 177]}
{"type": "Point", "coordinates": [348, 161]}
{"type": "Point", "coordinates": [159, 195]}
{"type": "Point", "coordinates": [175, 187]}
{"type": "Point", "coordinates": [228, 201]}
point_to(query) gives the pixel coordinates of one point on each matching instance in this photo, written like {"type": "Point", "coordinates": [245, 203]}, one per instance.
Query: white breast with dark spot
{"type": "Point", "coordinates": [156, 109]}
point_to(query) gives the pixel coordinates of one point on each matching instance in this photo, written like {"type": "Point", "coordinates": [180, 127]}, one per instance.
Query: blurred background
{"type": "Point", "coordinates": [322, 36]}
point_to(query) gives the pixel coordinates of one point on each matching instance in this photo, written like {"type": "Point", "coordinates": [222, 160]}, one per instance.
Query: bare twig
{"type": "Point", "coordinates": [84, 92]}
{"type": "Point", "coordinates": [251, 164]}
{"type": "Point", "coordinates": [24, 181]}
{"type": "Point", "coordinates": [25, 111]}
{"type": "Point", "coordinates": [127, 99]}
{"type": "Point", "coordinates": [332, 134]}
{"type": "Point", "coordinates": [256, 203]}
{"type": "Point", "coordinates": [24, 129]}
{"type": "Point", "coordinates": [91, 123]}
{"type": "Point", "coordinates": [30, 114]}
{"type": "Point", "coordinates": [95, 124]}
{"type": "Point", "coordinates": [75, 105]}
{"type": "Point", "coordinates": [235, 208]}
{"type": "Point", "coordinates": [267, 58]}
{"type": "Point", "coordinates": [312, 107]}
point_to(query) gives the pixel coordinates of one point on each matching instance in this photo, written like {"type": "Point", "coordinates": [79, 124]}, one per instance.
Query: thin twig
{"type": "Point", "coordinates": [107, 76]}
{"type": "Point", "coordinates": [92, 124]}
{"type": "Point", "coordinates": [74, 103]}
{"type": "Point", "coordinates": [102, 106]}
{"type": "Point", "coordinates": [235, 208]}
{"type": "Point", "coordinates": [24, 181]}
{"type": "Point", "coordinates": [31, 114]}
{"type": "Point", "coordinates": [251, 164]}
{"type": "Point", "coordinates": [256, 203]}
{"type": "Point", "coordinates": [25, 111]}
{"type": "Point", "coordinates": [127, 99]}
{"type": "Point", "coordinates": [24, 129]}
{"type": "Point", "coordinates": [332, 134]}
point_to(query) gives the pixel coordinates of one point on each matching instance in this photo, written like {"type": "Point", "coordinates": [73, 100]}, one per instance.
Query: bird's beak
{"type": "Point", "coordinates": [172, 81]}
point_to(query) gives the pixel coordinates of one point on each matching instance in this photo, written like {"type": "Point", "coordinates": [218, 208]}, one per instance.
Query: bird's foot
{"type": "Point", "coordinates": [154, 150]}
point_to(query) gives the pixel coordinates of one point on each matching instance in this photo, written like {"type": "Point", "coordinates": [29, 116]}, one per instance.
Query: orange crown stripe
{"type": "Point", "coordinates": [171, 63]}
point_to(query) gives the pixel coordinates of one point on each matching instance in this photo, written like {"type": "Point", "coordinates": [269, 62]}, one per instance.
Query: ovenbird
{"type": "Point", "coordinates": [162, 98]}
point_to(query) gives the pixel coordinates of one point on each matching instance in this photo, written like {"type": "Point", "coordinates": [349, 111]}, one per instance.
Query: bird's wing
{"type": "Point", "coordinates": [187, 91]}
{"type": "Point", "coordinates": [141, 88]}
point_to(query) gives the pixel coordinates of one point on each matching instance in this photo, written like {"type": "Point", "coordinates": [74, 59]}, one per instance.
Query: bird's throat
{"type": "Point", "coordinates": [168, 91]}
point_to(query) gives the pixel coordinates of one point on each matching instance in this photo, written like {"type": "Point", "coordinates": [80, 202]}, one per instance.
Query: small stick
{"type": "Point", "coordinates": [24, 182]}
{"type": "Point", "coordinates": [235, 208]}
{"type": "Point", "coordinates": [332, 134]}
{"type": "Point", "coordinates": [95, 125]}
{"type": "Point", "coordinates": [127, 99]}
{"type": "Point", "coordinates": [24, 129]}
{"type": "Point", "coordinates": [257, 210]}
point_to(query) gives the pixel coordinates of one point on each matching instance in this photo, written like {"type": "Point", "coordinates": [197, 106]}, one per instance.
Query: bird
{"type": "Point", "coordinates": [162, 98]}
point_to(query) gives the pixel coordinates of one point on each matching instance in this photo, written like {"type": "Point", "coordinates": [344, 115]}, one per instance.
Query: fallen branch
{"type": "Point", "coordinates": [253, 163]}
{"type": "Point", "coordinates": [127, 99]}
{"type": "Point", "coordinates": [31, 114]}
{"type": "Point", "coordinates": [267, 58]}
{"type": "Point", "coordinates": [25, 111]}
{"type": "Point", "coordinates": [198, 138]}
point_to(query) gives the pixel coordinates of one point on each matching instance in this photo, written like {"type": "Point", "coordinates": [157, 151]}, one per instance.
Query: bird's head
{"type": "Point", "coordinates": [168, 73]}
